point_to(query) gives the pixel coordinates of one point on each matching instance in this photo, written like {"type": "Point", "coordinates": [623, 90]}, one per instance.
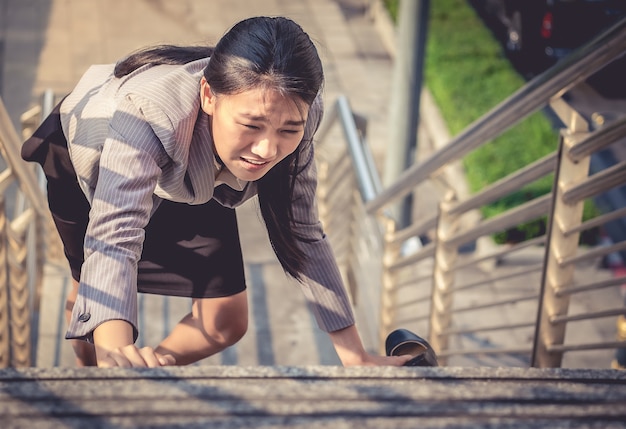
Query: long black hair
{"type": "Point", "coordinates": [269, 52]}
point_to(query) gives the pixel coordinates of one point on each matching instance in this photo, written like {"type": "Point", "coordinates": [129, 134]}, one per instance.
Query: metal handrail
{"type": "Point", "coordinates": [597, 221]}
{"type": "Point", "coordinates": [616, 281]}
{"type": "Point", "coordinates": [508, 276]}
{"type": "Point", "coordinates": [10, 152]}
{"type": "Point", "coordinates": [606, 179]}
{"type": "Point", "coordinates": [454, 225]}
{"type": "Point", "coordinates": [505, 186]}
{"type": "Point", "coordinates": [598, 139]}
{"type": "Point", "coordinates": [531, 97]}
{"type": "Point", "coordinates": [23, 247]}
{"type": "Point", "coordinates": [501, 252]}
{"type": "Point", "coordinates": [367, 176]}
{"type": "Point", "coordinates": [523, 213]}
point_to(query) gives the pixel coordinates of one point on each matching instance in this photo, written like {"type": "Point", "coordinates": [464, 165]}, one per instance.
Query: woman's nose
{"type": "Point", "coordinates": [265, 148]}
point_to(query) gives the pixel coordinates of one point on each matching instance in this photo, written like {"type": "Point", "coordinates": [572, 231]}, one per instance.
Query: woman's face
{"type": "Point", "coordinates": [253, 130]}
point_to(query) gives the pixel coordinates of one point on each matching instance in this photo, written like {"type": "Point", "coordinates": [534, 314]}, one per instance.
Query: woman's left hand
{"type": "Point", "coordinates": [350, 350]}
{"type": "Point", "coordinates": [131, 356]}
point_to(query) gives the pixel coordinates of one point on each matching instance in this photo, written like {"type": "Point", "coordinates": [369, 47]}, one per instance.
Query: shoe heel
{"type": "Point", "coordinates": [404, 342]}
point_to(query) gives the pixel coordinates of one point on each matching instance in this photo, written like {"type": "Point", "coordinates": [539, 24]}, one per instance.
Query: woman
{"type": "Point", "coordinates": [146, 161]}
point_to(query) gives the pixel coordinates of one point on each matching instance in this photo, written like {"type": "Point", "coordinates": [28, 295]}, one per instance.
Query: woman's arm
{"type": "Point", "coordinates": [128, 169]}
{"type": "Point", "coordinates": [323, 286]}
{"type": "Point", "coordinates": [351, 352]}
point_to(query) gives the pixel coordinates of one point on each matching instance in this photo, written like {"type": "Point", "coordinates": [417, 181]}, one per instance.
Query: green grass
{"type": "Point", "coordinates": [468, 75]}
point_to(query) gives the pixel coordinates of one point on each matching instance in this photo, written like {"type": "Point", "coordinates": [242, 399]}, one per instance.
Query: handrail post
{"type": "Point", "coordinates": [388, 297]}
{"type": "Point", "coordinates": [322, 191]}
{"type": "Point", "coordinates": [20, 294]}
{"type": "Point", "coordinates": [22, 271]}
{"type": "Point", "coordinates": [620, 354]}
{"type": "Point", "coordinates": [559, 246]}
{"type": "Point", "coordinates": [443, 277]}
{"type": "Point", "coordinates": [5, 334]}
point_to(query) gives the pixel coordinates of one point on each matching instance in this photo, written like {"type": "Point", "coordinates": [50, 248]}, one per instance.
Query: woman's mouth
{"type": "Point", "coordinates": [254, 163]}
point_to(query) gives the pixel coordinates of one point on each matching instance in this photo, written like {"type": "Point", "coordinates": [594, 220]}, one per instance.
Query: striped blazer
{"type": "Point", "coordinates": [137, 140]}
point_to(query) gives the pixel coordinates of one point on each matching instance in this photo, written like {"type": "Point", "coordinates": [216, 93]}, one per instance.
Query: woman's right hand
{"type": "Point", "coordinates": [131, 356]}
{"type": "Point", "coordinates": [115, 348]}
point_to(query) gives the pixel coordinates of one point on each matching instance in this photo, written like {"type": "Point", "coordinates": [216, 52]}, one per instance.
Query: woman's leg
{"type": "Point", "coordinates": [85, 352]}
{"type": "Point", "coordinates": [212, 325]}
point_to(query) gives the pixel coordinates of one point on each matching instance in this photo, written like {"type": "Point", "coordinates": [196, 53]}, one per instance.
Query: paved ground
{"type": "Point", "coordinates": [49, 43]}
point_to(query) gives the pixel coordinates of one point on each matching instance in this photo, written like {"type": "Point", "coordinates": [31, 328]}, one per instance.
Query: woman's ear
{"type": "Point", "coordinates": [207, 98]}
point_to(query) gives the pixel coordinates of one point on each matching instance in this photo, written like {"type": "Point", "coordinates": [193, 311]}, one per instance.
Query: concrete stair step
{"type": "Point", "coordinates": [312, 397]}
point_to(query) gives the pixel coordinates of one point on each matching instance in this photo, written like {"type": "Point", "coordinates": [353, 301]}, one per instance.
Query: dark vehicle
{"type": "Point", "coordinates": [538, 33]}
{"type": "Point", "coordinates": [568, 24]}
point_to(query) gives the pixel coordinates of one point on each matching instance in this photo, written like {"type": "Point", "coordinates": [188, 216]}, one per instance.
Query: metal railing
{"type": "Point", "coordinates": [24, 241]}
{"type": "Point", "coordinates": [422, 290]}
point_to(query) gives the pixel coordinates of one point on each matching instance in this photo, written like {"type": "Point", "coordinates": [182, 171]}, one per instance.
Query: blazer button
{"type": "Point", "coordinates": [84, 317]}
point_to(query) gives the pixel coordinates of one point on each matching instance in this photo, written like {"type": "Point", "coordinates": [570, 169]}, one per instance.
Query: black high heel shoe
{"type": "Point", "coordinates": [404, 342]}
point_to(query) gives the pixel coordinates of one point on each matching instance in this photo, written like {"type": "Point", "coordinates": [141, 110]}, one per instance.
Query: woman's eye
{"type": "Point", "coordinates": [250, 126]}
{"type": "Point", "coordinates": [291, 131]}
